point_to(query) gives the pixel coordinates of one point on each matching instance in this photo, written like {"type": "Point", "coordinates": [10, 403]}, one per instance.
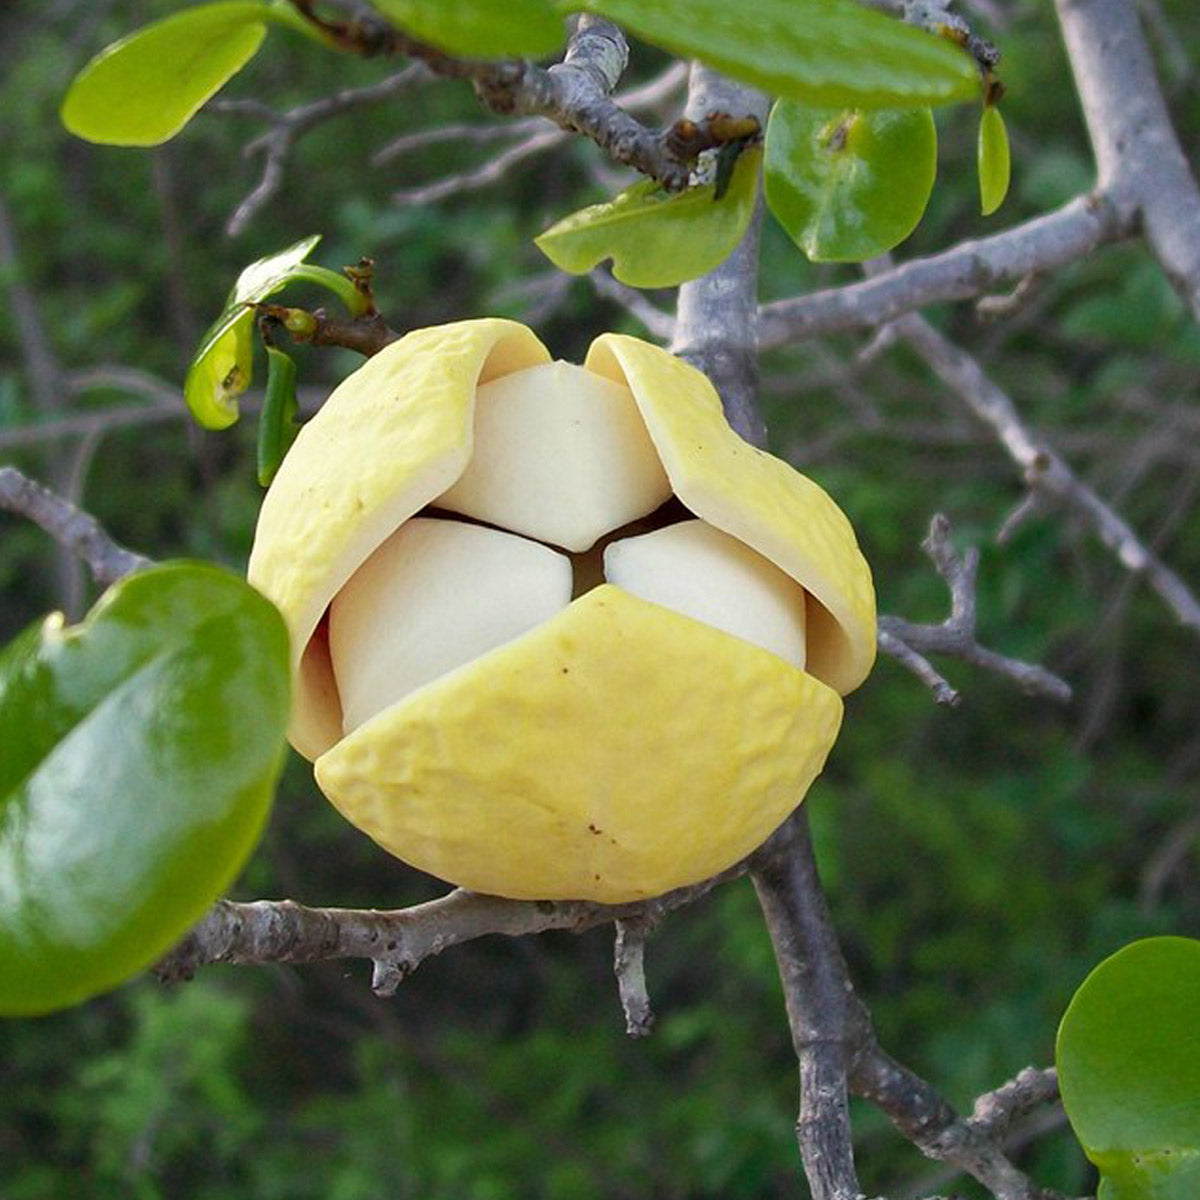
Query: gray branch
{"type": "Point", "coordinates": [1140, 163]}
{"type": "Point", "coordinates": [969, 269]}
{"type": "Point", "coordinates": [396, 941]}
{"type": "Point", "coordinates": [629, 966]}
{"type": "Point", "coordinates": [287, 128]}
{"type": "Point", "coordinates": [1045, 471]}
{"type": "Point", "coordinates": [77, 531]}
{"type": "Point", "coordinates": [716, 325]}
{"type": "Point", "coordinates": [910, 643]}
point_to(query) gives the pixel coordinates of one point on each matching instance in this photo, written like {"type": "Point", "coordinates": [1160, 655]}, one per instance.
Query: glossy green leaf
{"type": "Point", "coordinates": [277, 427]}
{"type": "Point", "coordinates": [828, 52]}
{"type": "Point", "coordinates": [656, 239]}
{"type": "Point", "coordinates": [143, 89]}
{"type": "Point", "coordinates": [138, 756]}
{"type": "Point", "coordinates": [223, 366]}
{"type": "Point", "coordinates": [1128, 1057]}
{"type": "Point", "coordinates": [479, 28]}
{"type": "Point", "coordinates": [994, 165]}
{"type": "Point", "coordinates": [847, 184]}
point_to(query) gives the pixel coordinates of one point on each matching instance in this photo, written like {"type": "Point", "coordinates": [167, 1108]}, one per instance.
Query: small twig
{"type": "Point", "coordinates": [366, 335]}
{"type": "Point", "coordinates": [996, 1111]}
{"type": "Point", "coordinates": [287, 128]}
{"type": "Point", "coordinates": [649, 96]}
{"type": "Point", "coordinates": [75, 530]}
{"type": "Point", "coordinates": [492, 171]}
{"type": "Point", "coordinates": [909, 643]}
{"type": "Point", "coordinates": [1044, 470]}
{"type": "Point", "coordinates": [895, 647]}
{"type": "Point", "coordinates": [629, 966]}
{"type": "Point", "coordinates": [657, 321]}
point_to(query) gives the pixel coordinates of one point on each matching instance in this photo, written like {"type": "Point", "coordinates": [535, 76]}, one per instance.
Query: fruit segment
{"type": "Point", "coordinates": [560, 455]}
{"type": "Point", "coordinates": [435, 595]}
{"type": "Point", "coordinates": [706, 574]}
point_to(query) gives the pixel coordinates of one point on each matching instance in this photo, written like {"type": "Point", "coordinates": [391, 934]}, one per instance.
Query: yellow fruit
{"type": "Point", "coordinates": [498, 734]}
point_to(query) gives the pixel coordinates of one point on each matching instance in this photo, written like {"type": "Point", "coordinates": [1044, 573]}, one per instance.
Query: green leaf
{"type": "Point", "coordinates": [223, 366]}
{"type": "Point", "coordinates": [656, 239]}
{"type": "Point", "coordinates": [138, 756]}
{"type": "Point", "coordinates": [1128, 1057]}
{"type": "Point", "coordinates": [847, 184]}
{"type": "Point", "coordinates": [479, 28]}
{"type": "Point", "coordinates": [994, 166]}
{"type": "Point", "coordinates": [277, 426]}
{"type": "Point", "coordinates": [827, 52]}
{"type": "Point", "coordinates": [143, 89]}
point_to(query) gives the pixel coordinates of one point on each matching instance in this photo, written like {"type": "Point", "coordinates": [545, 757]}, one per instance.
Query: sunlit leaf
{"type": "Point", "coordinates": [994, 167]}
{"type": "Point", "coordinates": [846, 184]}
{"type": "Point", "coordinates": [479, 28]}
{"type": "Point", "coordinates": [827, 52]}
{"type": "Point", "coordinates": [144, 89]}
{"type": "Point", "coordinates": [138, 757]}
{"type": "Point", "coordinates": [224, 364]}
{"type": "Point", "coordinates": [656, 239]}
{"type": "Point", "coordinates": [1128, 1058]}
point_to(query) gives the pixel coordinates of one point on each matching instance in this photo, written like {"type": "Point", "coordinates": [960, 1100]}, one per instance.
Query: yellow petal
{"type": "Point", "coordinates": [615, 752]}
{"type": "Point", "coordinates": [392, 436]}
{"type": "Point", "coordinates": [755, 498]}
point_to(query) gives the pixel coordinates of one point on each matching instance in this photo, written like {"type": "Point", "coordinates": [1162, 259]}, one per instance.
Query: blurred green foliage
{"type": "Point", "coordinates": [979, 860]}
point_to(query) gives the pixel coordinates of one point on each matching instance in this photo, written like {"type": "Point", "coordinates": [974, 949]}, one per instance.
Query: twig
{"type": "Point", "coordinates": [648, 96]}
{"type": "Point", "coordinates": [995, 1111]}
{"type": "Point", "coordinates": [955, 636]}
{"type": "Point", "coordinates": [1044, 470]}
{"type": "Point", "coordinates": [396, 941]}
{"type": "Point", "coordinates": [287, 128]}
{"type": "Point", "coordinates": [657, 321]}
{"type": "Point", "coordinates": [76, 531]}
{"type": "Point", "coordinates": [492, 171]}
{"type": "Point", "coordinates": [366, 335]}
{"type": "Point", "coordinates": [920, 1113]}
{"type": "Point", "coordinates": [575, 94]}
{"type": "Point", "coordinates": [629, 966]}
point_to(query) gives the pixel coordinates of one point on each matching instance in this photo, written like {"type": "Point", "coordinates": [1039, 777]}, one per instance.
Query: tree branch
{"type": "Point", "coordinates": [967, 270]}
{"type": "Point", "coordinates": [1140, 163]}
{"type": "Point", "coordinates": [396, 941]}
{"type": "Point", "coordinates": [826, 1018]}
{"type": "Point", "coordinates": [716, 323]}
{"type": "Point", "coordinates": [73, 529]}
{"type": "Point", "coordinates": [575, 94]}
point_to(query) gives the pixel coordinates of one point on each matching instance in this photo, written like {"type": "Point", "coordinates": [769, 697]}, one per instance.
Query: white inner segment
{"type": "Point", "coordinates": [703, 573]}
{"type": "Point", "coordinates": [560, 455]}
{"type": "Point", "coordinates": [435, 595]}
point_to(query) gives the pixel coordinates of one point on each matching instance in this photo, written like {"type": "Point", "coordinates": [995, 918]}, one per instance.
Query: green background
{"type": "Point", "coordinates": [980, 861]}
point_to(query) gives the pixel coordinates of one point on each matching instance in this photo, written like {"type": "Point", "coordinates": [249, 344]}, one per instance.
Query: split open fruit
{"type": "Point", "coordinates": [557, 631]}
